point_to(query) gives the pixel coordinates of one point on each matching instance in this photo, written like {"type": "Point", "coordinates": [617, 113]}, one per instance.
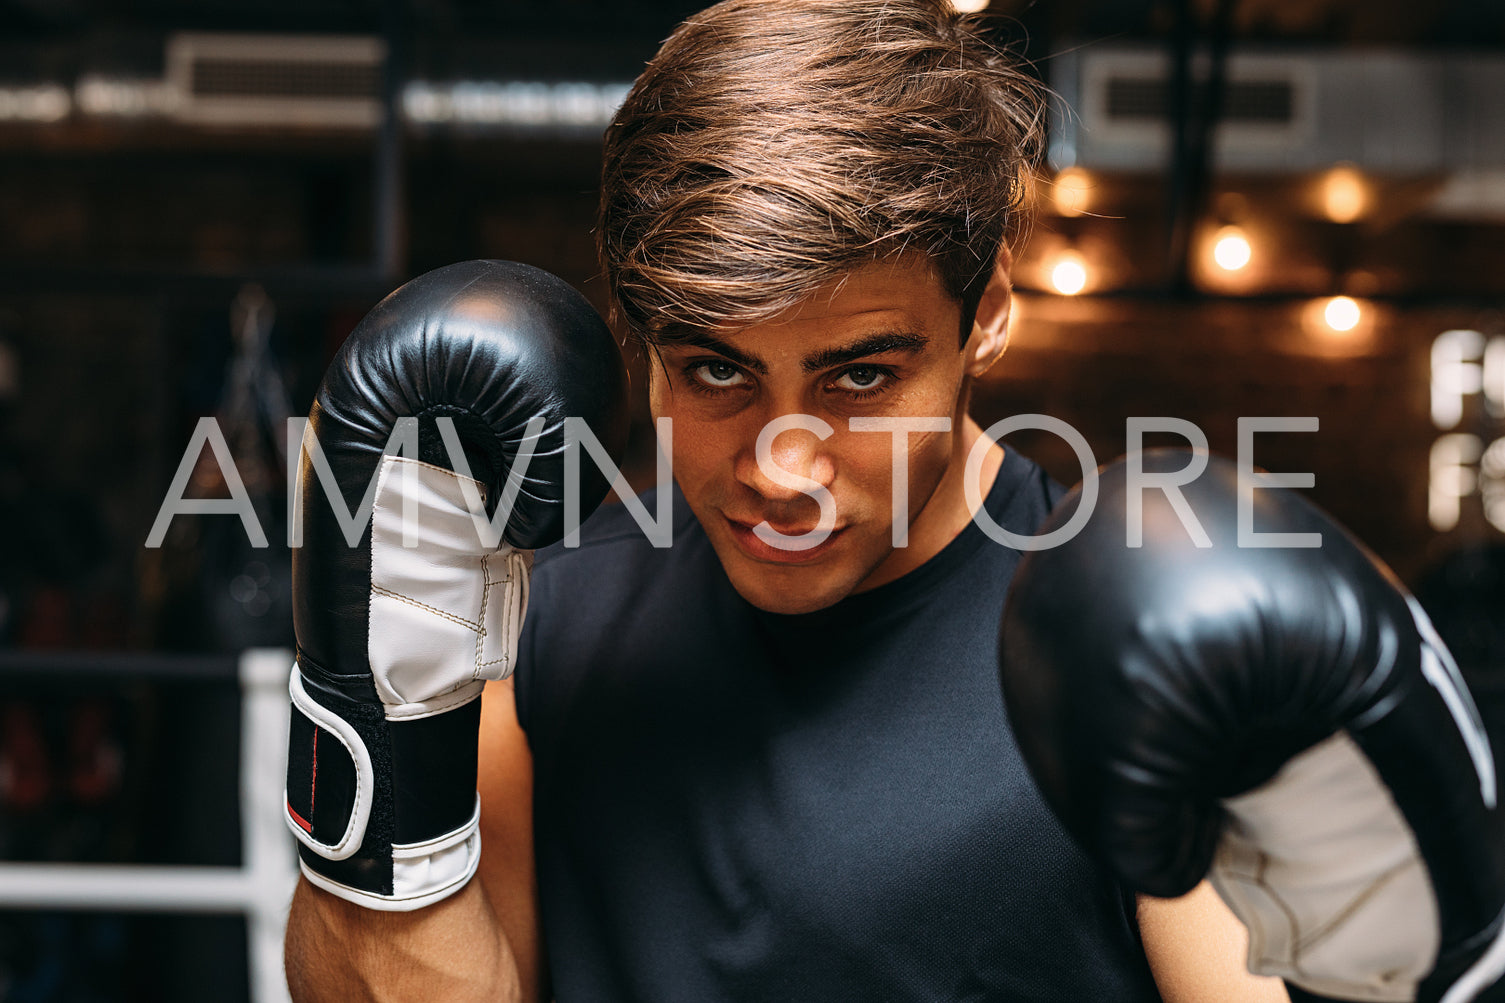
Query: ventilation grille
{"type": "Point", "coordinates": [1386, 110]}
{"type": "Point", "coordinates": [270, 78]}
{"type": "Point", "coordinates": [277, 80]}
{"type": "Point", "coordinates": [1266, 102]}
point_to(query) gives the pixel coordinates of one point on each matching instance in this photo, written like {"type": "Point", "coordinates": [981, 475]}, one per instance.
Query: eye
{"type": "Point", "coordinates": [719, 374]}
{"type": "Point", "coordinates": [861, 378]}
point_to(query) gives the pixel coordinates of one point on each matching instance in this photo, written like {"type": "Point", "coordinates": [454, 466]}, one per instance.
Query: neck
{"type": "Point", "coordinates": [947, 511]}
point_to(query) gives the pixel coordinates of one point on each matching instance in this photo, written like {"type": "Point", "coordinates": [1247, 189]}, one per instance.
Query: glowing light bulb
{"type": "Point", "coordinates": [1344, 194]}
{"type": "Point", "coordinates": [1342, 313]}
{"type": "Point", "coordinates": [1231, 249]}
{"type": "Point", "coordinates": [1072, 192]}
{"type": "Point", "coordinates": [1069, 274]}
{"type": "Point", "coordinates": [969, 6]}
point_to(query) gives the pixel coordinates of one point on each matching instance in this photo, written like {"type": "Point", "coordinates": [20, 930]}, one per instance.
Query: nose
{"type": "Point", "coordinates": [788, 459]}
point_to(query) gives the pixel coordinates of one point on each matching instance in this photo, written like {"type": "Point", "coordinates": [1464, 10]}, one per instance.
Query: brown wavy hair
{"type": "Point", "coordinates": [773, 146]}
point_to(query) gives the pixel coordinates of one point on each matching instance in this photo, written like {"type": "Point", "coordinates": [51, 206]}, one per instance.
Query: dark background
{"type": "Point", "coordinates": [133, 245]}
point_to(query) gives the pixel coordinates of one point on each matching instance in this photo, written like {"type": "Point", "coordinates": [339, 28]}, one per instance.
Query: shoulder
{"type": "Point", "coordinates": [645, 529]}
{"type": "Point", "coordinates": [628, 556]}
{"type": "Point", "coordinates": [586, 597]}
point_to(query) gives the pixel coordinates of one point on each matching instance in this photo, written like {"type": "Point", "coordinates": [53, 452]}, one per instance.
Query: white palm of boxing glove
{"type": "Point", "coordinates": [446, 610]}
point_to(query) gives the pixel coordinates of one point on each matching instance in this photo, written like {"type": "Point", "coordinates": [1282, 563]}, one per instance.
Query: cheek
{"type": "Point", "coordinates": [930, 454]}
{"type": "Point", "coordinates": [948, 392]}
{"type": "Point", "coordinates": [687, 435]}
{"type": "Point", "coordinates": [928, 457]}
{"type": "Point", "coordinates": [865, 463]}
{"type": "Point", "coordinates": [701, 452]}
{"type": "Point", "coordinates": [936, 393]}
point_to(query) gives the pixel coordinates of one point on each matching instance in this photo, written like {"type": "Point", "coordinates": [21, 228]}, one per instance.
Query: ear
{"type": "Point", "coordinates": [990, 329]}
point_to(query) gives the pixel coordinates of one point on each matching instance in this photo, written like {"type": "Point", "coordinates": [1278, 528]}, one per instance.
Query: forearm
{"type": "Point", "coordinates": [452, 950]}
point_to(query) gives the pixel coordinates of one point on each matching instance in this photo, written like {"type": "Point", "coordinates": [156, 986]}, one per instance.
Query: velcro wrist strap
{"type": "Point", "coordinates": [422, 873]}
{"type": "Point", "coordinates": [348, 786]}
{"type": "Point", "coordinates": [385, 811]}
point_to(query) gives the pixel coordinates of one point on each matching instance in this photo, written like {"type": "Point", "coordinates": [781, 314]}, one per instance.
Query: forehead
{"type": "Point", "coordinates": [897, 295]}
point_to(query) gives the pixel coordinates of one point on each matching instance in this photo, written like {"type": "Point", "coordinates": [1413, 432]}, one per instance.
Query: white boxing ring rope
{"type": "Point", "coordinates": [260, 888]}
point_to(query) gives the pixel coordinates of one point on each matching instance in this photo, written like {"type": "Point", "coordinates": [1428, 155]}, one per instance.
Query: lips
{"type": "Point", "coordinates": [759, 550]}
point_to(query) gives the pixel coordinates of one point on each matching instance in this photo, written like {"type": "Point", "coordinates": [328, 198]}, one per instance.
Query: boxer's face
{"type": "Point", "coordinates": [882, 344]}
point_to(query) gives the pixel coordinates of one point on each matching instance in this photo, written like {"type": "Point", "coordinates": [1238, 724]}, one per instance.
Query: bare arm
{"type": "Point", "coordinates": [452, 950]}
{"type": "Point", "coordinates": [479, 944]}
{"type": "Point", "coordinates": [1197, 950]}
{"type": "Point", "coordinates": [507, 870]}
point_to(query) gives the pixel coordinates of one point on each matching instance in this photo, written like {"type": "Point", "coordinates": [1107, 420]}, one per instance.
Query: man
{"type": "Point", "coordinates": [769, 760]}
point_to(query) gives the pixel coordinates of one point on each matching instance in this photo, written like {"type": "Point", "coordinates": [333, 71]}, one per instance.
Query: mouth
{"type": "Point", "coordinates": [760, 549]}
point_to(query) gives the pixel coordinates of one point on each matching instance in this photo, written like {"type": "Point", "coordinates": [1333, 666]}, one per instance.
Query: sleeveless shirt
{"type": "Point", "coordinates": [734, 805]}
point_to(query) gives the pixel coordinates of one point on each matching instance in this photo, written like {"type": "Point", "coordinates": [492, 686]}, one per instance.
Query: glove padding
{"type": "Point", "coordinates": [1281, 720]}
{"type": "Point", "coordinates": [400, 621]}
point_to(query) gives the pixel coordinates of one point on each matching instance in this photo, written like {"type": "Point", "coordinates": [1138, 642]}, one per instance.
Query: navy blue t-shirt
{"type": "Point", "coordinates": [734, 805]}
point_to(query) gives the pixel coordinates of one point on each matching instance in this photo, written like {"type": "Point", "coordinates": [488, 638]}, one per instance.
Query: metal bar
{"type": "Point", "coordinates": [1195, 112]}
{"type": "Point", "coordinates": [315, 283]}
{"type": "Point", "coordinates": [1277, 297]}
{"type": "Point", "coordinates": [387, 224]}
{"type": "Point", "coordinates": [1179, 107]}
{"type": "Point", "coordinates": [270, 861]}
{"type": "Point", "coordinates": [92, 665]}
{"type": "Point", "coordinates": [262, 888]}
{"type": "Point", "coordinates": [127, 888]}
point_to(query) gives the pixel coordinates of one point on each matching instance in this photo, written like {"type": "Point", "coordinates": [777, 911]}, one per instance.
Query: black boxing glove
{"type": "Point", "coordinates": [404, 610]}
{"type": "Point", "coordinates": [1280, 719]}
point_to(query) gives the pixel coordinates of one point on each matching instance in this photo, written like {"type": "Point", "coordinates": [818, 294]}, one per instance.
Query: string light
{"type": "Point", "coordinates": [969, 6]}
{"type": "Point", "coordinates": [1345, 195]}
{"type": "Point", "coordinates": [1231, 249]}
{"type": "Point", "coordinates": [1072, 191]}
{"type": "Point", "coordinates": [1339, 326]}
{"type": "Point", "coordinates": [1069, 274]}
{"type": "Point", "coordinates": [1342, 313]}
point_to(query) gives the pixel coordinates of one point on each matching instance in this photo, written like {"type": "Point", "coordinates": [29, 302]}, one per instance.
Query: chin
{"type": "Point", "coordinates": [784, 592]}
{"type": "Point", "coordinates": [783, 603]}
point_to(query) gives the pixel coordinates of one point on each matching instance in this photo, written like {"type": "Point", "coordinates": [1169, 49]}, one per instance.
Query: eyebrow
{"type": "Point", "coordinates": [700, 339]}
{"type": "Point", "coordinates": [873, 344]}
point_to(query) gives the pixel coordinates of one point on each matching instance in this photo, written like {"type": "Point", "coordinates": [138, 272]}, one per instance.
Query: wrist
{"type": "Point", "coordinates": [385, 811]}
